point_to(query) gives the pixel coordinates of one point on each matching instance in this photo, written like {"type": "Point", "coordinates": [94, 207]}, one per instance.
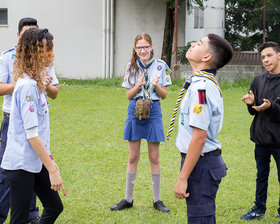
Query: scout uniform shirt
{"type": "Point", "coordinates": [29, 109]}
{"type": "Point", "coordinates": [6, 75]}
{"type": "Point", "coordinates": [157, 67]}
{"type": "Point", "coordinates": [202, 107]}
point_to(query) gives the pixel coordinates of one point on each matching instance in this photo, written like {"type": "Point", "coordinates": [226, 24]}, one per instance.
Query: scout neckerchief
{"type": "Point", "coordinates": [144, 67]}
{"type": "Point", "coordinates": [209, 74]}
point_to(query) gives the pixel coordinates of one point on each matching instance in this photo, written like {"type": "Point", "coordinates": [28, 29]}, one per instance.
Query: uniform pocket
{"type": "Point", "coordinates": [218, 173]}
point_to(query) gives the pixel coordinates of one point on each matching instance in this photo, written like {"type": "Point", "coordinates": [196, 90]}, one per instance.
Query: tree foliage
{"type": "Point", "coordinates": [244, 23]}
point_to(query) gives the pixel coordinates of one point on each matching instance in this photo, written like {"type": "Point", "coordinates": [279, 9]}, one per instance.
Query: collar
{"type": "Point", "coordinates": [212, 71]}
{"type": "Point", "coordinates": [148, 64]}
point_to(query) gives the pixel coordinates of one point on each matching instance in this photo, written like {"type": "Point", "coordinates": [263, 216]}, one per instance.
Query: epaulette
{"type": "Point", "coordinates": [5, 52]}
{"type": "Point", "coordinates": [159, 60]}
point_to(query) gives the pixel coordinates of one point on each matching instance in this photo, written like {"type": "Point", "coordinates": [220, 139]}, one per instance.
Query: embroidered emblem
{"type": "Point", "coordinates": [159, 67]}
{"type": "Point", "coordinates": [197, 109]}
{"type": "Point", "coordinates": [31, 109]}
{"type": "Point", "coordinates": [167, 72]}
{"type": "Point", "coordinates": [29, 98]}
{"type": "Point", "coordinates": [182, 119]}
{"type": "Point", "coordinates": [202, 96]}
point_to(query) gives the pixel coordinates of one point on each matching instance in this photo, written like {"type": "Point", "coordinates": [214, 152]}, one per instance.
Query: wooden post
{"type": "Point", "coordinates": [176, 68]}
{"type": "Point", "coordinates": [264, 8]}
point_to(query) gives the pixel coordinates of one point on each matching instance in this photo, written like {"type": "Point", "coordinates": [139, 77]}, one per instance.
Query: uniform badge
{"type": "Point", "coordinates": [197, 109]}
{"type": "Point", "coordinates": [182, 119]}
{"type": "Point", "coordinates": [159, 67]}
{"type": "Point", "coordinates": [167, 72]}
{"type": "Point", "coordinates": [202, 96]}
{"type": "Point", "coordinates": [31, 109]}
{"type": "Point", "coordinates": [29, 98]}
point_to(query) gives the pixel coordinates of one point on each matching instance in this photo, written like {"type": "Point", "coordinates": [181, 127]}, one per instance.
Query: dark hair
{"type": "Point", "coordinates": [271, 44]}
{"type": "Point", "coordinates": [220, 49]}
{"type": "Point", "coordinates": [26, 22]}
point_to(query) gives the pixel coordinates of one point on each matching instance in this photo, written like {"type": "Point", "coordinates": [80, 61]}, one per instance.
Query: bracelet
{"type": "Point", "coordinates": [51, 157]}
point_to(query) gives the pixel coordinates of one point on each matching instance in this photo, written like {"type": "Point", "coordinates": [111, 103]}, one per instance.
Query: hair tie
{"type": "Point", "coordinates": [42, 34]}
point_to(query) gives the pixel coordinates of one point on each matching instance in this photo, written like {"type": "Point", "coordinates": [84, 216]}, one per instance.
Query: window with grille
{"type": "Point", "coordinates": [3, 16]}
{"type": "Point", "coordinates": [198, 18]}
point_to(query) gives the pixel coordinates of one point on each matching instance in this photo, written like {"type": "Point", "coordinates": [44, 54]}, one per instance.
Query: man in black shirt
{"type": "Point", "coordinates": [263, 102]}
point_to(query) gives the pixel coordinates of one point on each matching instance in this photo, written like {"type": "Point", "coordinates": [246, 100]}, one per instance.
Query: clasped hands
{"type": "Point", "coordinates": [141, 81]}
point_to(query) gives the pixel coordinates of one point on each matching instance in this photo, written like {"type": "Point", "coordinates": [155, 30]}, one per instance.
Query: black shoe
{"type": "Point", "coordinates": [161, 207]}
{"type": "Point", "coordinates": [35, 220]}
{"type": "Point", "coordinates": [254, 213]}
{"type": "Point", "coordinates": [122, 205]}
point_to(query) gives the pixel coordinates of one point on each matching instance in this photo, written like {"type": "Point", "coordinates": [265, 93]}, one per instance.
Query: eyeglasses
{"type": "Point", "coordinates": [145, 48]}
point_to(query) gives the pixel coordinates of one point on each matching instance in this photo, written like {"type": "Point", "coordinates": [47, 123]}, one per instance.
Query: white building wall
{"type": "Point", "coordinates": [214, 20]}
{"type": "Point", "coordinates": [77, 30]}
{"type": "Point", "coordinates": [132, 18]}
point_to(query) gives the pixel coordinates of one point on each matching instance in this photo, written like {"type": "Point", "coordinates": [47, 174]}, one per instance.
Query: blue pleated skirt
{"type": "Point", "coordinates": [150, 129]}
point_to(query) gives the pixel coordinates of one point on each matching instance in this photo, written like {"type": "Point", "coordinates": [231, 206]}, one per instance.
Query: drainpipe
{"type": "Point", "coordinates": [104, 40]}
{"type": "Point", "coordinates": [107, 39]}
{"type": "Point", "coordinates": [112, 39]}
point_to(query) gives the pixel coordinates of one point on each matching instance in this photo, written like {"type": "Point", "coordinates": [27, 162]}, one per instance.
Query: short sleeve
{"type": "Point", "coordinates": [166, 79]}
{"type": "Point", "coordinates": [4, 69]}
{"type": "Point", "coordinates": [199, 110]}
{"type": "Point", "coordinates": [28, 103]}
{"type": "Point", "coordinates": [52, 74]}
{"type": "Point", "coordinates": [126, 82]}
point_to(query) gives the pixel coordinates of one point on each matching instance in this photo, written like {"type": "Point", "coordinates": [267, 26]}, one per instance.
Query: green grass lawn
{"type": "Point", "coordinates": [87, 122]}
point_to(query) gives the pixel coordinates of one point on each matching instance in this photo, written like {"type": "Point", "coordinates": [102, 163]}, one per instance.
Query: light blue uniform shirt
{"type": "Point", "coordinates": [158, 67]}
{"type": "Point", "coordinates": [207, 116]}
{"type": "Point", "coordinates": [29, 109]}
{"type": "Point", "coordinates": [6, 75]}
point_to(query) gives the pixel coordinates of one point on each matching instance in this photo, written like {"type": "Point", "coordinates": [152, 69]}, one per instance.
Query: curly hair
{"type": "Point", "coordinates": [34, 54]}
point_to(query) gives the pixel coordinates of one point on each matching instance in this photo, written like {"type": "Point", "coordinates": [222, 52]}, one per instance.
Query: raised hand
{"type": "Point", "coordinates": [249, 98]}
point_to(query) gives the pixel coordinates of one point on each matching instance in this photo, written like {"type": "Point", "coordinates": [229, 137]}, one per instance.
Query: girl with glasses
{"type": "Point", "coordinates": [145, 78]}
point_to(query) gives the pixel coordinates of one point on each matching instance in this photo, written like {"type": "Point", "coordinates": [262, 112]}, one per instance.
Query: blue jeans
{"type": "Point", "coordinates": [4, 183]}
{"type": "Point", "coordinates": [262, 157]}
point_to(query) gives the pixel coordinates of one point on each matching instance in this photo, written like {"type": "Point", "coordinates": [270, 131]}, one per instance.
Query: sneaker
{"type": "Point", "coordinates": [122, 205]}
{"type": "Point", "coordinates": [161, 207]}
{"type": "Point", "coordinates": [35, 220]}
{"type": "Point", "coordinates": [255, 213]}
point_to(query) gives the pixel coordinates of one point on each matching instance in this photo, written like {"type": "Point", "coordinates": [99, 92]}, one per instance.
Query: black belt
{"type": "Point", "coordinates": [216, 152]}
{"type": "Point", "coordinates": [142, 98]}
{"type": "Point", "coordinates": [6, 114]}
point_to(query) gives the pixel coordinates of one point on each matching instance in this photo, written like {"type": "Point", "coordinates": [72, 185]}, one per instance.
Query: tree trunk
{"type": "Point", "coordinates": [168, 35]}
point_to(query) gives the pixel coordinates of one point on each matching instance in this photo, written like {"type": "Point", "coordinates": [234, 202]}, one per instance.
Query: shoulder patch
{"type": "Point", "coordinates": [202, 96]}
{"type": "Point", "coordinates": [198, 109]}
{"type": "Point", "coordinates": [161, 61]}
